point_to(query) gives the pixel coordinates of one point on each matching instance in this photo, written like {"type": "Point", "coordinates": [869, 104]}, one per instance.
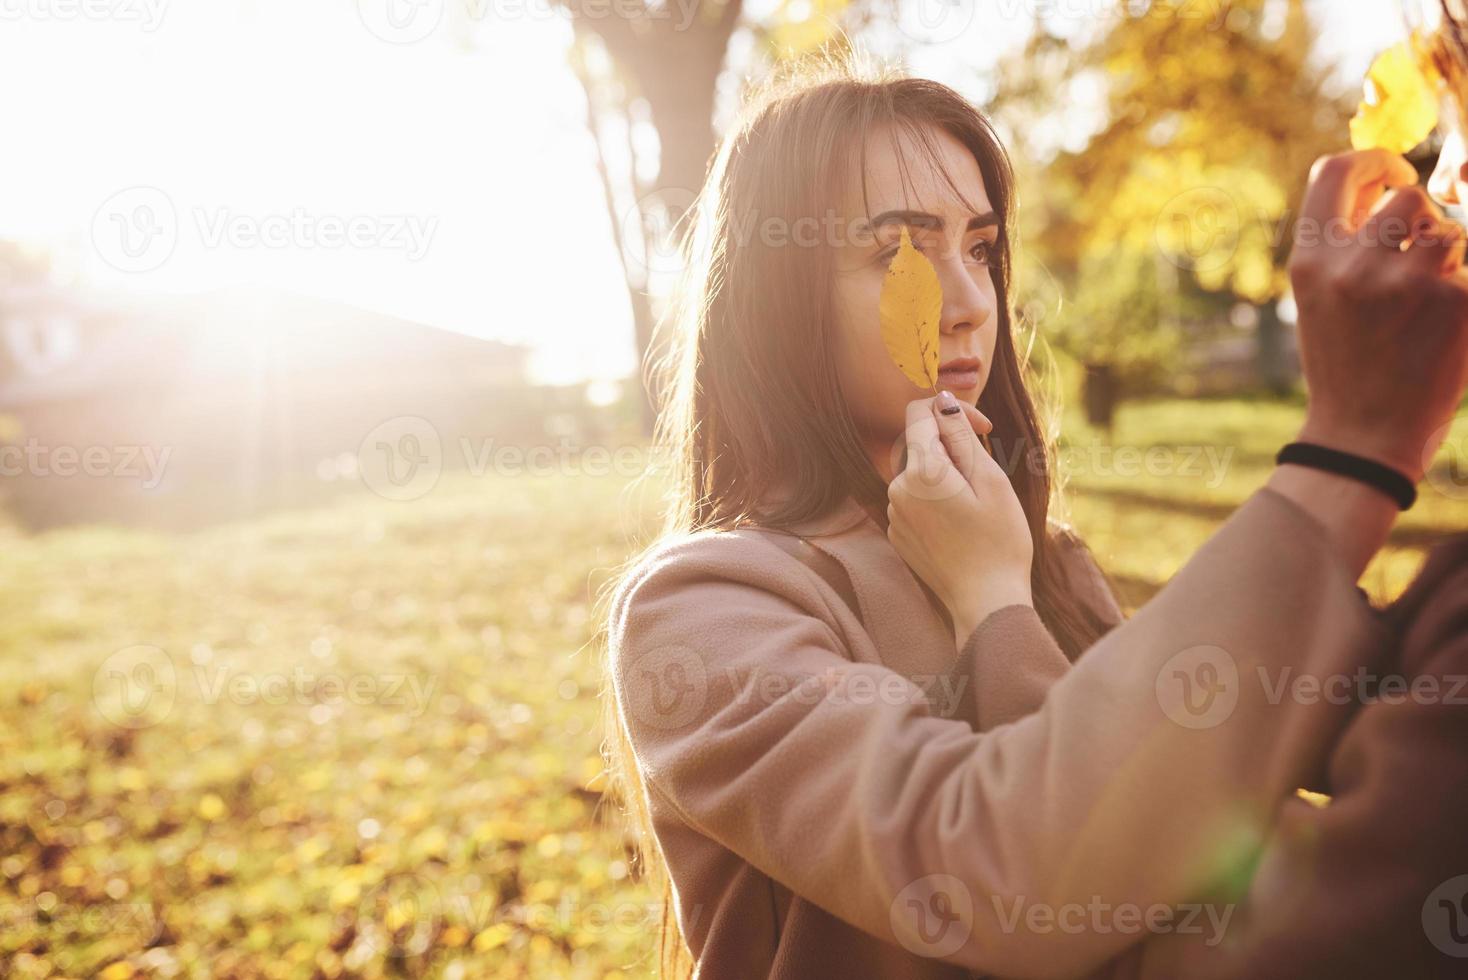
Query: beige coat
{"type": "Point", "coordinates": [836, 800]}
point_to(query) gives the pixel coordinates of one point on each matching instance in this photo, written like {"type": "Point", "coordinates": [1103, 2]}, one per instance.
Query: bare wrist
{"type": "Point", "coordinates": [1385, 448]}
{"type": "Point", "coordinates": [990, 600]}
{"type": "Point", "coordinates": [1356, 517]}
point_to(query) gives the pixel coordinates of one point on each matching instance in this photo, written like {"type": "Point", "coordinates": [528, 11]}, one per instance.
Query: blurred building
{"type": "Point", "coordinates": [183, 411]}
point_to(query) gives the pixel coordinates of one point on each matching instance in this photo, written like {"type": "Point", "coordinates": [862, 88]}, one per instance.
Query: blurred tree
{"type": "Point", "coordinates": [1174, 130]}
{"type": "Point", "coordinates": [651, 74]}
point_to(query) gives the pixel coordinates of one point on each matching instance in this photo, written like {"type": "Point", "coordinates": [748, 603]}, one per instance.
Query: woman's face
{"type": "Point", "coordinates": [961, 243]}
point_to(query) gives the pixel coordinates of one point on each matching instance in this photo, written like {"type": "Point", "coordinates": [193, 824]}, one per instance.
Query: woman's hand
{"type": "Point", "coordinates": [1383, 337]}
{"type": "Point", "coordinates": [1383, 329]}
{"type": "Point", "coordinates": [953, 517]}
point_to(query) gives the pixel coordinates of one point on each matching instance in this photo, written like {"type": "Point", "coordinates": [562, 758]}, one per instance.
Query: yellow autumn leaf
{"type": "Point", "coordinates": [909, 308]}
{"type": "Point", "coordinates": [1401, 105]}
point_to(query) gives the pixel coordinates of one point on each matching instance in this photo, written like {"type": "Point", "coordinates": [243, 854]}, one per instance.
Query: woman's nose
{"type": "Point", "coordinates": [964, 302]}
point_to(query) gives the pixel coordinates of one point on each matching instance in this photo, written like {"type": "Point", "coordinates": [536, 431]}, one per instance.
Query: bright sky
{"type": "Point", "coordinates": [425, 158]}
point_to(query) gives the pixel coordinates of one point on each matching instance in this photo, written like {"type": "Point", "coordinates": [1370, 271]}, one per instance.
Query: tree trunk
{"type": "Point", "coordinates": [1101, 393]}
{"type": "Point", "coordinates": [675, 67]}
{"type": "Point", "coordinates": [1273, 365]}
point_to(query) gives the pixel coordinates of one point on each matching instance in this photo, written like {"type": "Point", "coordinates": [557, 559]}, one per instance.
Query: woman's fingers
{"type": "Point", "coordinates": [1346, 185]}
{"type": "Point", "coordinates": [1437, 247]}
{"type": "Point", "coordinates": [1403, 215]}
{"type": "Point", "coordinates": [920, 435]}
{"type": "Point", "coordinates": [929, 473]}
{"type": "Point", "coordinates": [961, 433]}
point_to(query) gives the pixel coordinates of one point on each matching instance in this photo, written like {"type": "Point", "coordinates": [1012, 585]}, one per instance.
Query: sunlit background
{"type": "Point", "coordinates": [320, 326]}
{"type": "Point", "coordinates": [477, 132]}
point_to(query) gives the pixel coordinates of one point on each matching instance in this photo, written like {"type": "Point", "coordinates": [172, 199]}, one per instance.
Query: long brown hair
{"type": "Point", "coordinates": [749, 394]}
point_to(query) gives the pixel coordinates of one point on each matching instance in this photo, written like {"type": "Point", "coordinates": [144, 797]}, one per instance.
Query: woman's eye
{"type": "Point", "coordinates": [888, 254]}
{"type": "Point", "coordinates": [982, 251]}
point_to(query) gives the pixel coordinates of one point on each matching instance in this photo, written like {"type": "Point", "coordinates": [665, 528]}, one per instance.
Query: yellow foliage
{"type": "Point", "coordinates": [1400, 108]}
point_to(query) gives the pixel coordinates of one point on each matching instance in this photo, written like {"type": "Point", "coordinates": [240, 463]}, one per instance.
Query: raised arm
{"type": "Point", "coordinates": [1127, 786]}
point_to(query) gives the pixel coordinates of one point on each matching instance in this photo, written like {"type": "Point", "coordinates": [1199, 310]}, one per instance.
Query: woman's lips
{"type": "Point", "coordinates": [959, 380]}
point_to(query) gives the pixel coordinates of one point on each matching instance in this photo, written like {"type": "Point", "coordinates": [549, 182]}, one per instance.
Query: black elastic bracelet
{"type": "Point", "coordinates": [1389, 481]}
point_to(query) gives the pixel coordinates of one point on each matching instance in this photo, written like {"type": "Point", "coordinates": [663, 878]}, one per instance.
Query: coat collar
{"type": "Point", "coordinates": [910, 634]}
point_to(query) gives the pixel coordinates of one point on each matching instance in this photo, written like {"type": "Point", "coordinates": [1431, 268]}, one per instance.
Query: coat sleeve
{"type": "Point", "coordinates": [1006, 667]}
{"type": "Point", "coordinates": [1010, 661]}
{"type": "Point", "coordinates": [1374, 884]}
{"type": "Point", "coordinates": [1151, 768]}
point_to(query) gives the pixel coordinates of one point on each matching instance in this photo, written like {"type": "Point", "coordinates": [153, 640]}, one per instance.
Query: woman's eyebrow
{"type": "Point", "coordinates": [922, 219]}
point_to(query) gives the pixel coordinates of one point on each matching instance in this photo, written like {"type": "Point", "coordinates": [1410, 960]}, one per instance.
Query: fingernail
{"type": "Point", "coordinates": [947, 404]}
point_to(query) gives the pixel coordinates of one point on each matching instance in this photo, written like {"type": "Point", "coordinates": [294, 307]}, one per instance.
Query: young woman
{"type": "Point", "coordinates": [844, 688]}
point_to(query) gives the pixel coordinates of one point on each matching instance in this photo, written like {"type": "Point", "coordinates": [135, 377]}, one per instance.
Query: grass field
{"type": "Point", "coordinates": [370, 746]}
